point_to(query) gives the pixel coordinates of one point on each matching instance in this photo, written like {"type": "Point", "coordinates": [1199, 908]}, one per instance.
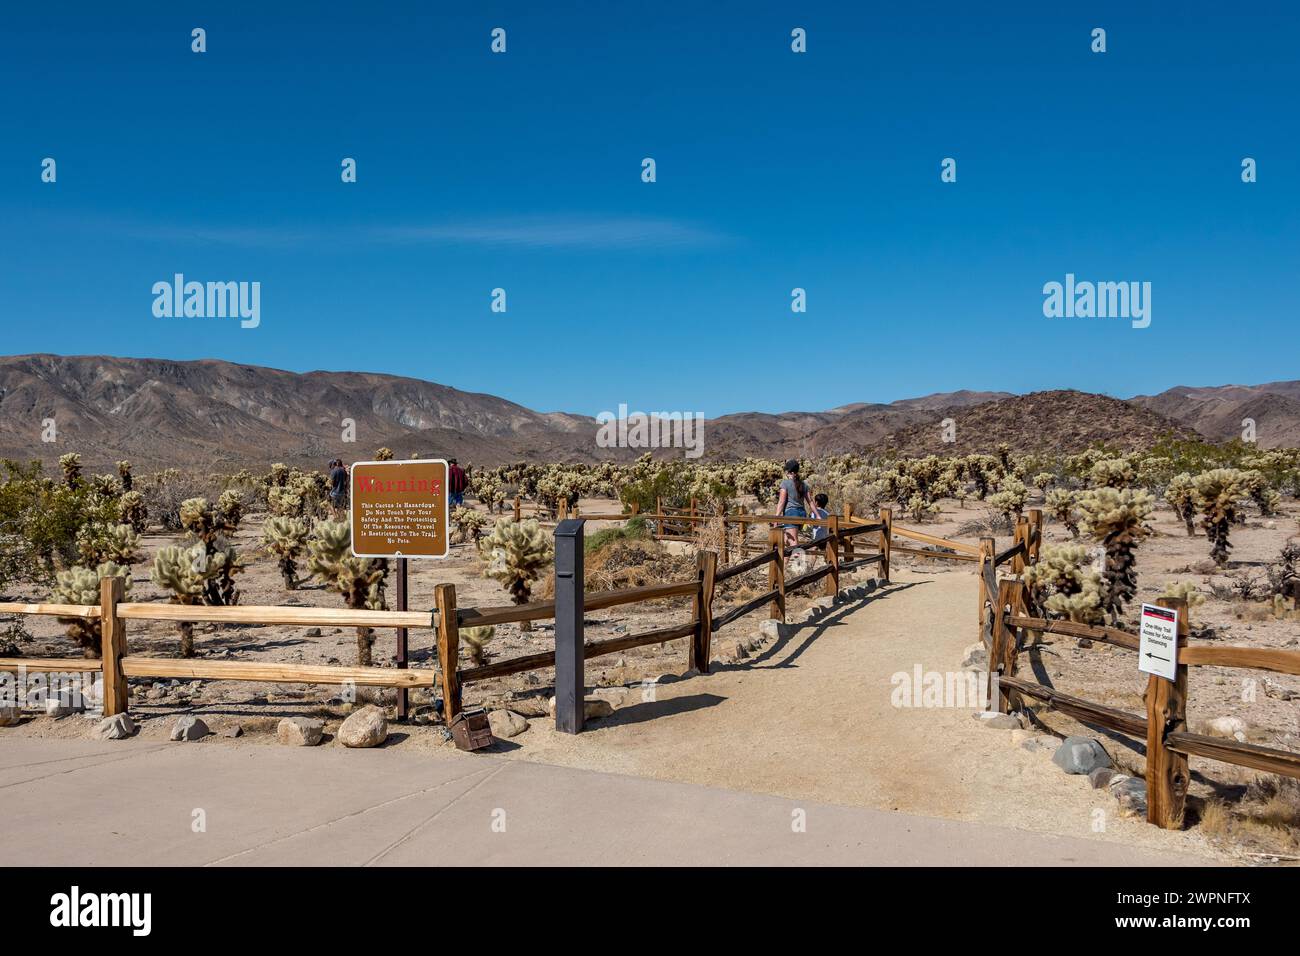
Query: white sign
{"type": "Point", "coordinates": [1158, 641]}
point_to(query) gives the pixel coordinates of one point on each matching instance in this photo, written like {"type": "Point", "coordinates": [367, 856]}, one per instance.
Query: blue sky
{"type": "Point", "coordinates": [775, 170]}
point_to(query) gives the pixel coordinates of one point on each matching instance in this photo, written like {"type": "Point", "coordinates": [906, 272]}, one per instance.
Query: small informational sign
{"type": "Point", "coordinates": [400, 509]}
{"type": "Point", "coordinates": [1158, 641]}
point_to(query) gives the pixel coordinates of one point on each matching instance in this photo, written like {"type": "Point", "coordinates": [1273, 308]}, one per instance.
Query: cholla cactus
{"type": "Point", "coordinates": [1218, 496]}
{"type": "Point", "coordinates": [278, 476]}
{"type": "Point", "coordinates": [1045, 480]}
{"type": "Point", "coordinates": [488, 488]}
{"type": "Point", "coordinates": [195, 575]}
{"type": "Point", "coordinates": [516, 553]}
{"type": "Point", "coordinates": [206, 523]}
{"type": "Point", "coordinates": [1064, 583]}
{"type": "Point", "coordinates": [1181, 495]}
{"type": "Point", "coordinates": [132, 508]}
{"type": "Point", "coordinates": [286, 502]}
{"type": "Point", "coordinates": [1183, 589]}
{"type": "Point", "coordinates": [124, 475]}
{"type": "Point", "coordinates": [1117, 519]}
{"type": "Point", "coordinates": [230, 509]}
{"type": "Point", "coordinates": [359, 580]}
{"type": "Point", "coordinates": [919, 509]}
{"type": "Point", "coordinates": [469, 523]}
{"type": "Point", "coordinates": [71, 465]}
{"type": "Point", "coordinates": [1060, 502]}
{"type": "Point", "coordinates": [383, 454]}
{"type": "Point", "coordinates": [1112, 473]}
{"type": "Point", "coordinates": [1010, 497]}
{"type": "Point", "coordinates": [475, 640]}
{"type": "Point", "coordinates": [80, 585]}
{"type": "Point", "coordinates": [117, 543]}
{"type": "Point", "coordinates": [1256, 485]}
{"type": "Point", "coordinates": [286, 538]}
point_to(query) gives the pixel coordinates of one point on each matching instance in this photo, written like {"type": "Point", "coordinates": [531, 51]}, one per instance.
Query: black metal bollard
{"type": "Point", "coordinates": [570, 680]}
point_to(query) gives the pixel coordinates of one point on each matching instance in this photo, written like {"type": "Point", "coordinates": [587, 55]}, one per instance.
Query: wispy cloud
{"type": "Point", "coordinates": [593, 233]}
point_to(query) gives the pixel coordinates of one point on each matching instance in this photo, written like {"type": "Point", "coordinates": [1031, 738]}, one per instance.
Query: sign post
{"type": "Point", "coordinates": [1158, 642]}
{"type": "Point", "coordinates": [399, 510]}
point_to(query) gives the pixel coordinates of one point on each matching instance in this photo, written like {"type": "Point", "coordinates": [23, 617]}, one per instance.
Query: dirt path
{"type": "Point", "coordinates": [810, 716]}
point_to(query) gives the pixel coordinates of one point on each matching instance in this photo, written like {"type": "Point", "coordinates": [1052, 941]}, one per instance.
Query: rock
{"type": "Point", "coordinates": [441, 733]}
{"type": "Point", "coordinates": [1132, 797]}
{"type": "Point", "coordinates": [60, 706]}
{"type": "Point", "coordinates": [367, 727]}
{"type": "Point", "coordinates": [774, 629]}
{"type": "Point", "coordinates": [975, 656]}
{"type": "Point", "coordinates": [1099, 777]}
{"type": "Point", "coordinates": [10, 716]}
{"type": "Point", "coordinates": [1276, 690]}
{"type": "Point", "coordinates": [506, 723]}
{"type": "Point", "coordinates": [300, 731]}
{"type": "Point", "coordinates": [615, 695]}
{"type": "Point", "coordinates": [233, 731]}
{"type": "Point", "coordinates": [988, 718]}
{"type": "Point", "coordinates": [313, 632]}
{"type": "Point", "coordinates": [1042, 743]}
{"type": "Point", "coordinates": [189, 728]}
{"type": "Point", "coordinates": [1080, 755]}
{"type": "Point", "coordinates": [117, 727]}
{"type": "Point", "coordinates": [592, 708]}
{"type": "Point", "coordinates": [1225, 726]}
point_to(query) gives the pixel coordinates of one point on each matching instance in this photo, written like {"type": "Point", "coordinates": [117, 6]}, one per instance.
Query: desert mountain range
{"type": "Point", "coordinates": [216, 415]}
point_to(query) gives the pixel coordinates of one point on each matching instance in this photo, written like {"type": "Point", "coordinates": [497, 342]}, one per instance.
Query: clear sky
{"type": "Point", "coordinates": [775, 170]}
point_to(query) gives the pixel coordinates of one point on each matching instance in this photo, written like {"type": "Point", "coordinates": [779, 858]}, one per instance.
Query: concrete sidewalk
{"type": "Point", "coordinates": [98, 803]}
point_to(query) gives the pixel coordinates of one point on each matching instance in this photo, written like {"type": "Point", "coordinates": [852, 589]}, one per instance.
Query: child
{"type": "Point", "coordinates": [820, 532]}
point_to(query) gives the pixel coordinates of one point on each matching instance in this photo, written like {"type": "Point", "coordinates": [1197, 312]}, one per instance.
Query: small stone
{"type": "Point", "coordinates": [1080, 755]}
{"type": "Point", "coordinates": [975, 656]}
{"type": "Point", "coordinates": [189, 727]}
{"type": "Point", "coordinates": [300, 731]}
{"type": "Point", "coordinates": [1099, 777]}
{"type": "Point", "coordinates": [117, 727]}
{"type": "Point", "coordinates": [615, 695]}
{"type": "Point", "coordinates": [368, 727]}
{"type": "Point", "coordinates": [235, 730]}
{"type": "Point", "coordinates": [1132, 797]}
{"type": "Point", "coordinates": [774, 629]}
{"type": "Point", "coordinates": [313, 632]}
{"type": "Point", "coordinates": [592, 708]}
{"type": "Point", "coordinates": [988, 718]}
{"type": "Point", "coordinates": [10, 716]}
{"type": "Point", "coordinates": [1225, 726]}
{"type": "Point", "coordinates": [506, 723]}
{"type": "Point", "coordinates": [59, 707]}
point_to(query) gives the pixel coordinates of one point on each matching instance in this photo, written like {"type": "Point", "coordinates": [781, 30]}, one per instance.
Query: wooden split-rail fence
{"type": "Point", "coordinates": [117, 664]}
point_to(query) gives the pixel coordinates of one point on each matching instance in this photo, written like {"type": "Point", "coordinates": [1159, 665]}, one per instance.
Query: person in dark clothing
{"type": "Point", "coordinates": [457, 483]}
{"type": "Point", "coordinates": [338, 485]}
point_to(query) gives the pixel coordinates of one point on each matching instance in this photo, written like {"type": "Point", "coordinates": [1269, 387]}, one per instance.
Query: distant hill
{"type": "Point", "coordinates": [215, 415]}
{"type": "Point", "coordinates": [1218, 411]}
{"type": "Point", "coordinates": [1055, 421]}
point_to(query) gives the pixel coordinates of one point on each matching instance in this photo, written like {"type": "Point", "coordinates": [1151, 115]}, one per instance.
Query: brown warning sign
{"type": "Point", "coordinates": [399, 509]}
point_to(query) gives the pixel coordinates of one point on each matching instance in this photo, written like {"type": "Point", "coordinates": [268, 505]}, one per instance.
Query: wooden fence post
{"type": "Point", "coordinates": [833, 557]}
{"type": "Point", "coordinates": [998, 652]}
{"type": "Point", "coordinates": [112, 645]}
{"type": "Point", "coordinates": [725, 550]}
{"type": "Point", "coordinates": [444, 599]}
{"type": "Point", "coordinates": [987, 554]}
{"type": "Point", "coordinates": [1022, 538]}
{"type": "Point", "coordinates": [1035, 534]}
{"type": "Point", "coordinates": [776, 573]}
{"type": "Point", "coordinates": [886, 534]}
{"type": "Point", "coordinates": [1167, 771]}
{"type": "Point", "coordinates": [701, 651]}
{"type": "Point", "coordinates": [659, 518]}
{"type": "Point", "coordinates": [518, 509]}
{"type": "Point", "coordinates": [850, 551]}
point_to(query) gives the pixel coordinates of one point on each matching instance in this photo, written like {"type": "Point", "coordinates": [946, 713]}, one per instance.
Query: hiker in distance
{"type": "Point", "coordinates": [793, 500]}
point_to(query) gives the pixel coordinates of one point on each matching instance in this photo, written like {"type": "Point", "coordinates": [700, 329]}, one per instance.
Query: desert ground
{"type": "Point", "coordinates": [805, 714]}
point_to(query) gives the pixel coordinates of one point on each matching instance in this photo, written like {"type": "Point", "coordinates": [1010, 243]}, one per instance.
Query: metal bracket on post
{"type": "Point", "coordinates": [570, 680]}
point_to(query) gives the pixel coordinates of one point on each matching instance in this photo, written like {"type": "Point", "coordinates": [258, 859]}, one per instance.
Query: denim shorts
{"type": "Point", "coordinates": [793, 511]}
